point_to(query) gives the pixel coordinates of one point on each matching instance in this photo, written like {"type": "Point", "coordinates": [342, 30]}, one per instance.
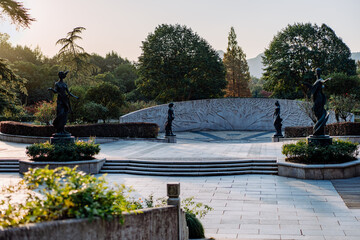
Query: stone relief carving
{"type": "Point", "coordinates": [224, 114]}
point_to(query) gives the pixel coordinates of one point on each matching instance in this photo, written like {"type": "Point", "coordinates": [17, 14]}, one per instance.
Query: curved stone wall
{"type": "Point", "coordinates": [224, 114]}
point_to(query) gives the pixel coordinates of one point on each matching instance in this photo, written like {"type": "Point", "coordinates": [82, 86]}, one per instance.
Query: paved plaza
{"type": "Point", "coordinates": [245, 206]}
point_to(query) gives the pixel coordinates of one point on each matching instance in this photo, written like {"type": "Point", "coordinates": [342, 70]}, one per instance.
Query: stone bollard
{"type": "Point", "coordinates": [173, 193]}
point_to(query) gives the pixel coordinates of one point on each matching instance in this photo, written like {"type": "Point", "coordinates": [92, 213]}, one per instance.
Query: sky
{"type": "Point", "coordinates": [122, 25]}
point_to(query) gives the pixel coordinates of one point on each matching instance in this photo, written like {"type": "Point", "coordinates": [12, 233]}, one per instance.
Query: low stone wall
{"type": "Point", "coordinates": [224, 114]}
{"type": "Point", "coordinates": [319, 171]}
{"type": "Point", "coordinates": [88, 166]}
{"type": "Point", "coordinates": [151, 224]}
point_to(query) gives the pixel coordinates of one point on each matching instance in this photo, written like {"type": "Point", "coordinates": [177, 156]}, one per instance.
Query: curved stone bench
{"type": "Point", "coordinates": [319, 171]}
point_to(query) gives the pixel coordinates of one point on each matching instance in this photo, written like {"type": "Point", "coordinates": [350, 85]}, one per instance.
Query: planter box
{"type": "Point", "coordinates": [319, 171]}
{"type": "Point", "coordinates": [153, 223]}
{"type": "Point", "coordinates": [87, 166]}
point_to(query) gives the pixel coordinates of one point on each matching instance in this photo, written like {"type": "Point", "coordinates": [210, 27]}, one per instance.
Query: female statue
{"type": "Point", "coordinates": [319, 100]}
{"type": "Point", "coordinates": [62, 104]}
{"type": "Point", "coordinates": [277, 120]}
{"type": "Point", "coordinates": [171, 117]}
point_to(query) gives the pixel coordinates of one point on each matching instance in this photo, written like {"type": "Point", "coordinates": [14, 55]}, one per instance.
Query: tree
{"type": "Point", "coordinates": [10, 86]}
{"type": "Point", "coordinates": [237, 69]}
{"type": "Point", "coordinates": [296, 51]}
{"type": "Point", "coordinates": [74, 56]}
{"type": "Point", "coordinates": [342, 84]}
{"type": "Point", "coordinates": [109, 96]}
{"type": "Point", "coordinates": [177, 65]}
{"type": "Point", "coordinates": [343, 105]}
{"type": "Point", "coordinates": [18, 14]}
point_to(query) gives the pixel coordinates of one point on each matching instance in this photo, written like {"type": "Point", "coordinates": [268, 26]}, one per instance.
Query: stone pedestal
{"type": "Point", "coordinates": [170, 139]}
{"type": "Point", "coordinates": [62, 138]}
{"type": "Point", "coordinates": [322, 140]}
{"type": "Point", "coordinates": [276, 138]}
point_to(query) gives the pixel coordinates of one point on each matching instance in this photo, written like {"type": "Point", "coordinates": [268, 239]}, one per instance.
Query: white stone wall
{"type": "Point", "coordinates": [224, 114]}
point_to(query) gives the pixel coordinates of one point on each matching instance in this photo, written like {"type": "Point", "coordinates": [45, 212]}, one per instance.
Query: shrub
{"type": "Point", "coordinates": [334, 129]}
{"type": "Point", "coordinates": [192, 211]}
{"type": "Point", "coordinates": [343, 105]}
{"type": "Point", "coordinates": [65, 193]}
{"type": "Point", "coordinates": [45, 112]}
{"type": "Point", "coordinates": [196, 229]}
{"type": "Point", "coordinates": [92, 112]}
{"type": "Point", "coordinates": [63, 152]}
{"type": "Point", "coordinates": [301, 152]}
{"type": "Point", "coordinates": [134, 130]}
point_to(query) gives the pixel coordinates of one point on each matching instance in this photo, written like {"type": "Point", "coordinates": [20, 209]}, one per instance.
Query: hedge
{"type": "Point", "coordinates": [334, 129]}
{"type": "Point", "coordinates": [123, 130]}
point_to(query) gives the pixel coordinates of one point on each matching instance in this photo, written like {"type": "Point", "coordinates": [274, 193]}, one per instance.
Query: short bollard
{"type": "Point", "coordinates": [173, 193]}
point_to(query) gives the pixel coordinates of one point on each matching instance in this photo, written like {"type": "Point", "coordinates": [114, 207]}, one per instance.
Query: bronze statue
{"type": "Point", "coordinates": [277, 120]}
{"type": "Point", "coordinates": [62, 104]}
{"type": "Point", "coordinates": [171, 117]}
{"type": "Point", "coordinates": [319, 100]}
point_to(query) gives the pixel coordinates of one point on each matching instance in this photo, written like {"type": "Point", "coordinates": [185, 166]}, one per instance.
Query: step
{"type": "Point", "coordinates": [191, 169]}
{"type": "Point", "coordinates": [188, 173]}
{"type": "Point", "coordinates": [9, 165]}
{"type": "Point", "coordinates": [188, 165]}
{"type": "Point", "coordinates": [189, 162]}
{"type": "Point", "coordinates": [9, 169]}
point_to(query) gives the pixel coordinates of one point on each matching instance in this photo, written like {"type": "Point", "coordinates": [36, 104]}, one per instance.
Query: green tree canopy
{"type": "Point", "coordinates": [108, 95]}
{"type": "Point", "coordinates": [177, 64]}
{"type": "Point", "coordinates": [296, 51]}
{"type": "Point", "coordinates": [10, 86]}
{"type": "Point", "coordinates": [237, 69]}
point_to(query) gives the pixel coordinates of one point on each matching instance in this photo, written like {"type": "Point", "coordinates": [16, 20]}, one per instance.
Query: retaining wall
{"type": "Point", "coordinates": [224, 114]}
{"type": "Point", "coordinates": [152, 224]}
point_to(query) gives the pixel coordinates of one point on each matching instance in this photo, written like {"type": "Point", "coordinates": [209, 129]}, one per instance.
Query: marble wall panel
{"type": "Point", "coordinates": [224, 114]}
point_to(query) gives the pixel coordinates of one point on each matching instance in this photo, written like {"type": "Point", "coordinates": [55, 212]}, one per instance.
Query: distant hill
{"type": "Point", "coordinates": [220, 53]}
{"type": "Point", "coordinates": [256, 66]}
{"type": "Point", "coordinates": [355, 56]}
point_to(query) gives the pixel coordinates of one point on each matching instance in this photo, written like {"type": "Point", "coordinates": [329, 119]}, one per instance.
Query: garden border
{"type": "Point", "coordinates": [88, 166]}
{"type": "Point", "coordinates": [319, 171]}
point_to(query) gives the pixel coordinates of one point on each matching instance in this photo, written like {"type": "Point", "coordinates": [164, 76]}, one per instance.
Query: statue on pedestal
{"type": "Point", "coordinates": [62, 104]}
{"type": "Point", "coordinates": [277, 120]}
{"type": "Point", "coordinates": [319, 100]}
{"type": "Point", "coordinates": [170, 118]}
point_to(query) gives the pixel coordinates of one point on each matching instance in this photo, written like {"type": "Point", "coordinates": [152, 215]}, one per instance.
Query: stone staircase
{"type": "Point", "coordinates": [191, 168]}
{"type": "Point", "coordinates": [9, 165]}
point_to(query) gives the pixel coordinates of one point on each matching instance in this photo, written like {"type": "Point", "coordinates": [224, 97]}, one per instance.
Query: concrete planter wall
{"type": "Point", "coordinates": [87, 166]}
{"type": "Point", "coordinates": [152, 224]}
{"type": "Point", "coordinates": [319, 171]}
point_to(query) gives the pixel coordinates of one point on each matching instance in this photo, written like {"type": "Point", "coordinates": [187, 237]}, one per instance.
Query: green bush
{"type": "Point", "coordinates": [334, 129]}
{"type": "Point", "coordinates": [45, 112]}
{"type": "Point", "coordinates": [339, 152]}
{"type": "Point", "coordinates": [192, 211]}
{"type": "Point", "coordinates": [92, 112]}
{"type": "Point", "coordinates": [65, 193]}
{"type": "Point", "coordinates": [63, 152]}
{"type": "Point", "coordinates": [196, 229]}
{"type": "Point", "coordinates": [134, 130]}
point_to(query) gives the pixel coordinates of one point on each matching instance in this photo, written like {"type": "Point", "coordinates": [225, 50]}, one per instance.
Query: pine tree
{"type": "Point", "coordinates": [237, 69]}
